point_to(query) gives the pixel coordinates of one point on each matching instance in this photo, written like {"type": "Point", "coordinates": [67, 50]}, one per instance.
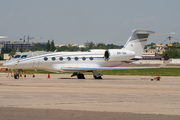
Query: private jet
{"type": "Point", "coordinates": [79, 62]}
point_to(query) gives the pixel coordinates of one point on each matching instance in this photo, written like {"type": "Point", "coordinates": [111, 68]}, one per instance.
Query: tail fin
{"type": "Point", "coordinates": [137, 41]}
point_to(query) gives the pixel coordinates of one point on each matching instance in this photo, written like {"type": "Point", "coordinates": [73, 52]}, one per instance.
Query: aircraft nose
{"type": "Point", "coordinates": [8, 64]}
{"type": "Point", "coordinates": [5, 64]}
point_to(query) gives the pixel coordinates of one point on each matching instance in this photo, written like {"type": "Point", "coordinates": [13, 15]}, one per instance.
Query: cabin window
{"type": "Point", "coordinates": [76, 58]}
{"type": "Point", "coordinates": [69, 58]}
{"type": "Point", "coordinates": [91, 58]}
{"type": "Point", "coordinates": [53, 58]}
{"type": "Point", "coordinates": [83, 58]}
{"type": "Point", "coordinates": [61, 58]}
{"type": "Point", "coordinates": [17, 56]}
{"type": "Point", "coordinates": [45, 58]}
{"type": "Point", "coordinates": [24, 56]}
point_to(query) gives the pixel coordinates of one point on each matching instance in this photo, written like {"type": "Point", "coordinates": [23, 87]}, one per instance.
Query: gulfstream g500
{"type": "Point", "coordinates": [79, 62]}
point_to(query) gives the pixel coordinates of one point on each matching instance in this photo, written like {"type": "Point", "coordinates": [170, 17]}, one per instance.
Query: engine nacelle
{"type": "Point", "coordinates": [118, 55]}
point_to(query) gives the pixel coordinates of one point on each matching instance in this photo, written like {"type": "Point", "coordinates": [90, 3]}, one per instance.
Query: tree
{"type": "Point", "coordinates": [37, 47]}
{"type": "Point", "coordinates": [12, 53]}
{"type": "Point", "coordinates": [48, 46]}
{"type": "Point", "coordinates": [52, 46]}
{"type": "Point", "coordinates": [22, 50]}
{"type": "Point", "coordinates": [1, 57]}
{"type": "Point", "coordinates": [91, 45]}
{"type": "Point", "coordinates": [62, 48]}
{"type": "Point", "coordinates": [74, 48]}
{"type": "Point", "coordinates": [67, 48]}
{"type": "Point", "coordinates": [5, 50]}
{"type": "Point", "coordinates": [84, 49]}
{"type": "Point", "coordinates": [171, 54]}
{"type": "Point", "coordinates": [101, 46]}
{"type": "Point", "coordinates": [150, 46]}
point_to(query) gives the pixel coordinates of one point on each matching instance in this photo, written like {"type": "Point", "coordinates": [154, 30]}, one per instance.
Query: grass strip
{"type": "Point", "coordinates": [142, 72]}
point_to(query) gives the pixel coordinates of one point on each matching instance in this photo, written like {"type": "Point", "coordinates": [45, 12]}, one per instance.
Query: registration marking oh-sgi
{"type": "Point", "coordinates": [121, 53]}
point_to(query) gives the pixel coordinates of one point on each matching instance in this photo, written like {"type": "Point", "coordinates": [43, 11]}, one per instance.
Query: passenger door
{"type": "Point", "coordinates": [35, 60]}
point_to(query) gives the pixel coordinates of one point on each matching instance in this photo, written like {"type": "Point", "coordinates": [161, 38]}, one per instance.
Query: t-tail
{"type": "Point", "coordinates": [137, 41]}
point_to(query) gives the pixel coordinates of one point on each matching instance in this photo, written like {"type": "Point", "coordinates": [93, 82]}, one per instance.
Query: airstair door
{"type": "Point", "coordinates": [35, 60]}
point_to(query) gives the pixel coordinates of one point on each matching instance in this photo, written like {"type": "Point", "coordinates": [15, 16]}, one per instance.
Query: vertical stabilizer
{"type": "Point", "coordinates": [137, 41]}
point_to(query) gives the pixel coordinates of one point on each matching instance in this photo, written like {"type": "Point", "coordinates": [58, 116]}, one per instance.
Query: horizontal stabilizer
{"type": "Point", "coordinates": [162, 33]}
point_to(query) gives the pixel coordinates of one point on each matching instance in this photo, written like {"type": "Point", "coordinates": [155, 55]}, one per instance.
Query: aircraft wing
{"type": "Point", "coordinates": [101, 68]}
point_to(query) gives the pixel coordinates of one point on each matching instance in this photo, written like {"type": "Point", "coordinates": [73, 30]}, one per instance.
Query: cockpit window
{"type": "Point", "coordinates": [24, 56]}
{"type": "Point", "coordinates": [17, 56]}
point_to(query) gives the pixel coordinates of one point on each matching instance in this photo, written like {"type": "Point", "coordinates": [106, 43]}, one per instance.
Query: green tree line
{"type": "Point", "coordinates": [174, 52]}
{"type": "Point", "coordinates": [91, 45]}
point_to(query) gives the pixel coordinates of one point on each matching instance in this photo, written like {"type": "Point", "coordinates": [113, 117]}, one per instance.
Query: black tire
{"type": "Point", "coordinates": [97, 77]}
{"type": "Point", "coordinates": [80, 76]}
{"type": "Point", "coordinates": [16, 76]}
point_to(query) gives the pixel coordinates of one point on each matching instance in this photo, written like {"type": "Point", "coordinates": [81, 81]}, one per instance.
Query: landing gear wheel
{"type": "Point", "coordinates": [80, 76]}
{"type": "Point", "coordinates": [97, 77]}
{"type": "Point", "coordinates": [16, 76]}
{"type": "Point", "coordinates": [33, 76]}
{"type": "Point", "coordinates": [24, 75]}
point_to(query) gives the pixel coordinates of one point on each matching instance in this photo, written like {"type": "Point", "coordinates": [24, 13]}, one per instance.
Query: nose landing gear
{"type": "Point", "coordinates": [16, 73]}
{"type": "Point", "coordinates": [16, 76]}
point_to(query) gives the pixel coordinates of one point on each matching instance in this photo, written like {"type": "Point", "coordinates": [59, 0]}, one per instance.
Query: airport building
{"type": "Point", "coordinates": [21, 45]}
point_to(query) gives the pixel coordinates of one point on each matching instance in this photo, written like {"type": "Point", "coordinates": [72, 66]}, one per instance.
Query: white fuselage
{"type": "Point", "coordinates": [54, 61]}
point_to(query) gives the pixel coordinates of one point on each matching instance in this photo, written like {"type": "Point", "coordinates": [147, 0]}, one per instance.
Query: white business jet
{"type": "Point", "coordinates": [79, 62]}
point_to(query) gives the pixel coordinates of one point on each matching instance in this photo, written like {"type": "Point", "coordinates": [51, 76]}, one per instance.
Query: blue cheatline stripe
{"type": "Point", "coordinates": [136, 59]}
{"type": "Point", "coordinates": [36, 57]}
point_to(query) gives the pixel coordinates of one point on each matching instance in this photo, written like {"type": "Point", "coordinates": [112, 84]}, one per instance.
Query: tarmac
{"type": "Point", "coordinates": [64, 97]}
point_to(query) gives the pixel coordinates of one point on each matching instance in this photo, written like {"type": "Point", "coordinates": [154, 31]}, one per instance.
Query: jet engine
{"type": "Point", "coordinates": [118, 55]}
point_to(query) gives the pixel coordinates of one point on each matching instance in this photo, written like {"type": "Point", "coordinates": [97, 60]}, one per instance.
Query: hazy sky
{"type": "Point", "coordinates": [76, 21]}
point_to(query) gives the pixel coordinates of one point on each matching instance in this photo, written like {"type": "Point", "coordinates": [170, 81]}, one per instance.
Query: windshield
{"type": "Point", "coordinates": [17, 56]}
{"type": "Point", "coordinates": [24, 56]}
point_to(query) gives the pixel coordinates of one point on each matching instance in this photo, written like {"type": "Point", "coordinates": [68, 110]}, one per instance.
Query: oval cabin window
{"type": "Point", "coordinates": [53, 58]}
{"type": "Point", "coordinates": [45, 58]}
{"type": "Point", "coordinates": [61, 58]}
{"type": "Point", "coordinates": [83, 58]}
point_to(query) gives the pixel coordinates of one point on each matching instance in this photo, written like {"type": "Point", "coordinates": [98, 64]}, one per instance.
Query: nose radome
{"type": "Point", "coordinates": [8, 64]}
{"type": "Point", "coordinates": [5, 64]}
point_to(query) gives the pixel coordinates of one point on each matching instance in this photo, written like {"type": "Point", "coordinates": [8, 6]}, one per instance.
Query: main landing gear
{"type": "Point", "coordinates": [96, 75]}
{"type": "Point", "coordinates": [79, 75]}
